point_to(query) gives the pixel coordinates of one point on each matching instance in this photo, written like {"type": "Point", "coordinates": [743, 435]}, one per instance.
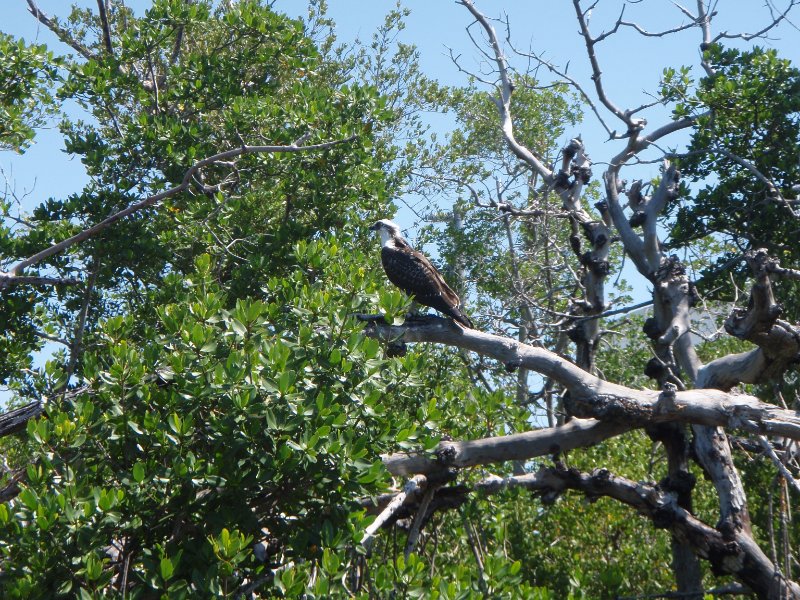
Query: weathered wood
{"type": "Point", "coordinates": [578, 433]}
{"type": "Point", "coordinates": [15, 420]}
{"type": "Point", "coordinates": [734, 554]}
{"type": "Point", "coordinates": [592, 397]}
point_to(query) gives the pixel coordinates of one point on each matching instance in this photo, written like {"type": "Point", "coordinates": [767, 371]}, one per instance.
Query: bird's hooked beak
{"type": "Point", "coordinates": [375, 227]}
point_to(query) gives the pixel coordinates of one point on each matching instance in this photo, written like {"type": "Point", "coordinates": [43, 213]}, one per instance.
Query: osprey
{"type": "Point", "coordinates": [413, 273]}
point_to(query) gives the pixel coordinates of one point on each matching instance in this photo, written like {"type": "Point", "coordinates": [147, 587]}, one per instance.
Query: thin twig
{"type": "Point", "coordinates": [391, 509]}
{"type": "Point", "coordinates": [80, 326]}
{"type": "Point", "coordinates": [416, 526]}
{"type": "Point", "coordinates": [772, 189]}
{"type": "Point", "coordinates": [785, 473]}
{"type": "Point", "coordinates": [60, 32]}
{"type": "Point", "coordinates": [473, 544]}
{"type": "Point", "coordinates": [504, 101]}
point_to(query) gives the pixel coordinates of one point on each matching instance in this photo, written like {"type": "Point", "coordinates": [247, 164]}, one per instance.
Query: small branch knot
{"type": "Point", "coordinates": [572, 148]}
{"type": "Point", "coordinates": [638, 218]}
{"type": "Point", "coordinates": [583, 174]}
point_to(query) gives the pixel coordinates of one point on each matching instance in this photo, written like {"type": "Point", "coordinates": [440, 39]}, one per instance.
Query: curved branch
{"type": "Point", "coordinates": [761, 32]}
{"type": "Point", "coordinates": [570, 81]}
{"type": "Point", "coordinates": [506, 350]}
{"type": "Point", "coordinates": [60, 32]}
{"type": "Point", "coordinates": [772, 189]}
{"type": "Point", "coordinates": [778, 341]}
{"type": "Point", "coordinates": [734, 554]}
{"type": "Point", "coordinates": [733, 369]}
{"type": "Point", "coordinates": [643, 32]}
{"type": "Point", "coordinates": [597, 73]}
{"type": "Point", "coordinates": [9, 277]}
{"type": "Point", "coordinates": [504, 102]}
{"type": "Point", "coordinates": [592, 397]}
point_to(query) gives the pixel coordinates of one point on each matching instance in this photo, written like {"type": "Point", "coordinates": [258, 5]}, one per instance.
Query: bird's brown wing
{"type": "Point", "coordinates": [445, 290]}
{"type": "Point", "coordinates": [413, 273]}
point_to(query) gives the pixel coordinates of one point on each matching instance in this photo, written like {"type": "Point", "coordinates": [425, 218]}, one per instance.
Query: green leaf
{"type": "Point", "coordinates": [285, 381]}
{"type": "Point", "coordinates": [336, 356]}
{"type": "Point", "coordinates": [28, 498]}
{"type": "Point", "coordinates": [330, 562]}
{"type": "Point", "coordinates": [166, 568]}
{"type": "Point", "coordinates": [238, 327]}
{"type": "Point", "coordinates": [85, 594]}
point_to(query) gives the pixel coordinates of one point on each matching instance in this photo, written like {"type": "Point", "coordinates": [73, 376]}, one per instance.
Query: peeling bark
{"type": "Point", "coordinates": [578, 433]}
{"type": "Point", "coordinates": [15, 420]}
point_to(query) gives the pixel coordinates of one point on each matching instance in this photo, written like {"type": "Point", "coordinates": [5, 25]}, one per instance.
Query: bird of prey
{"type": "Point", "coordinates": [412, 272]}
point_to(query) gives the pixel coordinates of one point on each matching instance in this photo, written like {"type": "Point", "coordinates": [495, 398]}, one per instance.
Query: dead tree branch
{"type": "Point", "coordinates": [578, 433]}
{"type": "Point", "coordinates": [592, 397]}
{"type": "Point", "coordinates": [728, 553]}
{"type": "Point", "coordinates": [391, 509]}
{"type": "Point", "coordinates": [504, 101]}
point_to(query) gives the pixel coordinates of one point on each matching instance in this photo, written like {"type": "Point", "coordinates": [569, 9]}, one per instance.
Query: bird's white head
{"type": "Point", "coordinates": [387, 229]}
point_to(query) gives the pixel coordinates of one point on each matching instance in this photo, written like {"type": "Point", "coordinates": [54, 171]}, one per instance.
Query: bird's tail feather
{"type": "Point", "coordinates": [459, 316]}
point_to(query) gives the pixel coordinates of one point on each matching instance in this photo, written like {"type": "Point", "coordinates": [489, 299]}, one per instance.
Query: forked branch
{"type": "Point", "coordinates": [504, 100]}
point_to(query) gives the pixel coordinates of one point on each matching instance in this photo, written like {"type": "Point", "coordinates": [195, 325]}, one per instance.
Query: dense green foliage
{"type": "Point", "coordinates": [753, 115]}
{"type": "Point", "coordinates": [219, 401]}
{"type": "Point", "coordinates": [259, 422]}
{"type": "Point", "coordinates": [215, 414]}
{"type": "Point", "coordinates": [752, 121]}
{"type": "Point", "coordinates": [27, 73]}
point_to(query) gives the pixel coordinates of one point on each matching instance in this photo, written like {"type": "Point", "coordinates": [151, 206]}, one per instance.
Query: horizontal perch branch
{"type": "Point", "coordinates": [444, 331]}
{"type": "Point", "coordinates": [592, 397]}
